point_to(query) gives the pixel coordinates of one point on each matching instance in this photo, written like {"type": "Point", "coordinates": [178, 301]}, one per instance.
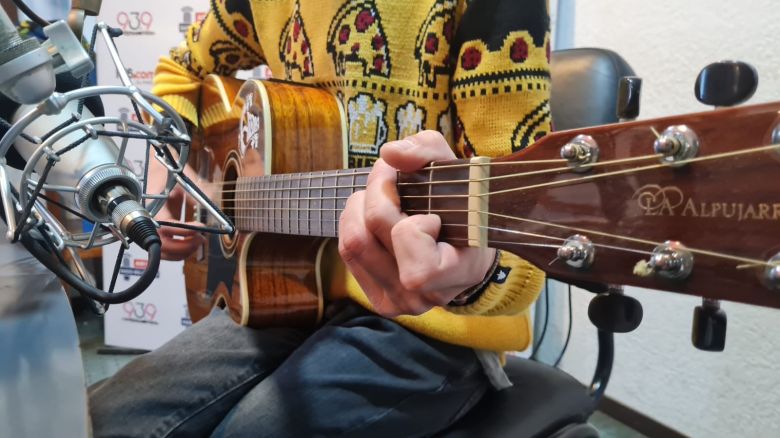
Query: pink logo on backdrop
{"type": "Point", "coordinates": [135, 22]}
{"type": "Point", "coordinates": [135, 311]}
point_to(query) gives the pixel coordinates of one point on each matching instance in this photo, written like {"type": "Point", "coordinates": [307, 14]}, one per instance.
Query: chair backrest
{"type": "Point", "coordinates": [584, 86]}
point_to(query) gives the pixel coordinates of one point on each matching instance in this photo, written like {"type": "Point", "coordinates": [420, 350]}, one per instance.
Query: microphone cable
{"type": "Point", "coordinates": [37, 19]}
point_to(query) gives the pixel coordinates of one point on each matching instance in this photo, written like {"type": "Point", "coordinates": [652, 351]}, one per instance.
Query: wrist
{"type": "Point", "coordinates": [472, 294]}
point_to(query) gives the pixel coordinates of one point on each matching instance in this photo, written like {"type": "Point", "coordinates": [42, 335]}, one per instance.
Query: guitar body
{"type": "Point", "coordinates": [261, 128]}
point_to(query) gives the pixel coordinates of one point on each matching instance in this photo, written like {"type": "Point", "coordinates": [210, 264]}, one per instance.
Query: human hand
{"type": "Point", "coordinates": [395, 257]}
{"type": "Point", "coordinates": [176, 243]}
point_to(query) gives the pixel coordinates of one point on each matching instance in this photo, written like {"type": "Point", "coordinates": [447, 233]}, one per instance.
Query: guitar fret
{"type": "Point", "coordinates": [295, 184]}
{"type": "Point", "coordinates": [327, 208]}
{"type": "Point", "coordinates": [236, 197]}
{"type": "Point", "coordinates": [307, 204]}
{"type": "Point", "coordinates": [260, 214]}
{"type": "Point", "coordinates": [318, 203]}
{"type": "Point", "coordinates": [266, 195]}
{"type": "Point", "coordinates": [345, 182]}
{"type": "Point", "coordinates": [307, 183]}
{"type": "Point", "coordinates": [239, 207]}
{"type": "Point", "coordinates": [276, 211]}
{"type": "Point", "coordinates": [285, 213]}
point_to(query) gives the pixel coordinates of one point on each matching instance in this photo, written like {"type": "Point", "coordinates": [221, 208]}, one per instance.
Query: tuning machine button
{"type": "Point", "coordinates": [629, 91]}
{"type": "Point", "coordinates": [580, 152]}
{"type": "Point", "coordinates": [676, 144]}
{"type": "Point", "coordinates": [726, 83]}
{"type": "Point", "coordinates": [708, 332]}
{"type": "Point", "coordinates": [670, 260]}
{"type": "Point", "coordinates": [615, 312]}
{"type": "Point", "coordinates": [577, 251]}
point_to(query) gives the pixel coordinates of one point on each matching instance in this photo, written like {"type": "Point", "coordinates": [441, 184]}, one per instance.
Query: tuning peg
{"type": "Point", "coordinates": [709, 326]}
{"type": "Point", "coordinates": [615, 312]}
{"type": "Point", "coordinates": [726, 83]}
{"type": "Point", "coordinates": [629, 90]}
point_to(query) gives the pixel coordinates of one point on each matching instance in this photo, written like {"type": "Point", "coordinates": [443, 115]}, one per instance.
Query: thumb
{"type": "Point", "coordinates": [416, 151]}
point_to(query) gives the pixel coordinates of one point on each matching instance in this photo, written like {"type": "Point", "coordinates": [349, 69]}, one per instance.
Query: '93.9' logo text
{"type": "Point", "coordinates": [140, 312]}
{"type": "Point", "coordinates": [135, 22]}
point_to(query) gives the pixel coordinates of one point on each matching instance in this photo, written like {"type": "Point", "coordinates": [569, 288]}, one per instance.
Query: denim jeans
{"type": "Point", "coordinates": [357, 375]}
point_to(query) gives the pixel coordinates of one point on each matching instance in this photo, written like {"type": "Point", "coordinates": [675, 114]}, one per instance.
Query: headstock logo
{"type": "Point", "coordinates": [669, 201]}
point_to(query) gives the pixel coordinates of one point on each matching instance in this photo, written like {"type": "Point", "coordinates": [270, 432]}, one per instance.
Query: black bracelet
{"type": "Point", "coordinates": [471, 295]}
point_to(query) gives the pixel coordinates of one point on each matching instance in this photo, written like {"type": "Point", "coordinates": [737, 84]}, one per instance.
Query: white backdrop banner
{"type": "Point", "coordinates": [151, 28]}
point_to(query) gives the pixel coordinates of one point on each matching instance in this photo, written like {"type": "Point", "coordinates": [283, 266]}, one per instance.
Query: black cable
{"type": "Point", "coordinates": [141, 136]}
{"type": "Point", "coordinates": [5, 124]}
{"type": "Point", "coordinates": [30, 14]}
{"type": "Point", "coordinates": [72, 146]}
{"type": "Point", "coordinates": [150, 273]}
{"type": "Point", "coordinates": [546, 318]}
{"type": "Point", "coordinates": [117, 265]}
{"type": "Point", "coordinates": [62, 125]}
{"type": "Point", "coordinates": [28, 208]}
{"type": "Point", "coordinates": [192, 227]}
{"type": "Point", "coordinates": [64, 207]}
{"type": "Point", "coordinates": [568, 334]}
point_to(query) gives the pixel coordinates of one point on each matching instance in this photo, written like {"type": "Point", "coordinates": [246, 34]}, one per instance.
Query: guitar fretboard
{"type": "Point", "coordinates": [307, 204]}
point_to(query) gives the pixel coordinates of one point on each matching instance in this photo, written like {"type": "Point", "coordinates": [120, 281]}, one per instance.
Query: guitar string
{"type": "Point", "coordinates": [752, 264]}
{"type": "Point", "coordinates": [603, 234]}
{"type": "Point", "coordinates": [431, 167]}
{"type": "Point", "coordinates": [722, 155]}
{"type": "Point", "coordinates": [309, 176]}
{"type": "Point", "coordinates": [740, 259]}
{"type": "Point", "coordinates": [570, 181]}
{"type": "Point", "coordinates": [591, 177]}
{"type": "Point", "coordinates": [587, 178]}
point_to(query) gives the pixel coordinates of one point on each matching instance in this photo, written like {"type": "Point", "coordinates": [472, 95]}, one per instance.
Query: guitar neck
{"type": "Point", "coordinates": [310, 204]}
{"type": "Point", "coordinates": [305, 204]}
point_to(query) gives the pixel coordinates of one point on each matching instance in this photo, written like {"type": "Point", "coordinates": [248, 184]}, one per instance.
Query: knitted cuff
{"type": "Point", "coordinates": [513, 286]}
{"type": "Point", "coordinates": [471, 295]}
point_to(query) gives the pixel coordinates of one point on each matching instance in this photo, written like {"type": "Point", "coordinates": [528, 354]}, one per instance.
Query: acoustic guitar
{"type": "Point", "coordinates": [684, 204]}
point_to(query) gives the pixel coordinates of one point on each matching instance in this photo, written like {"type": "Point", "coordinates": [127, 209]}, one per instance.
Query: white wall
{"type": "Point", "coordinates": [657, 370]}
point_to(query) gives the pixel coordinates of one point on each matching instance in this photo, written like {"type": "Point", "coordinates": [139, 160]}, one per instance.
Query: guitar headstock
{"type": "Point", "coordinates": [685, 204]}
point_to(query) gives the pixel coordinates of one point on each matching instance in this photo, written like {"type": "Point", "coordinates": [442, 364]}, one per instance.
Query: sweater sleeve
{"type": "Point", "coordinates": [500, 90]}
{"type": "Point", "coordinates": [223, 43]}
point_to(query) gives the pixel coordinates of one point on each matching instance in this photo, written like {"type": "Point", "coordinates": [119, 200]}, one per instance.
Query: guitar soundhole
{"type": "Point", "coordinates": [229, 202]}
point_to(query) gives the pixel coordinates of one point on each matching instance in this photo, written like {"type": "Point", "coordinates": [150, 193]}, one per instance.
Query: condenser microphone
{"type": "Point", "coordinates": [106, 188]}
{"type": "Point", "coordinates": [68, 150]}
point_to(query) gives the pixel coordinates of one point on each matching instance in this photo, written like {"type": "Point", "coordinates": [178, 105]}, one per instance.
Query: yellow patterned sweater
{"type": "Point", "coordinates": [477, 71]}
